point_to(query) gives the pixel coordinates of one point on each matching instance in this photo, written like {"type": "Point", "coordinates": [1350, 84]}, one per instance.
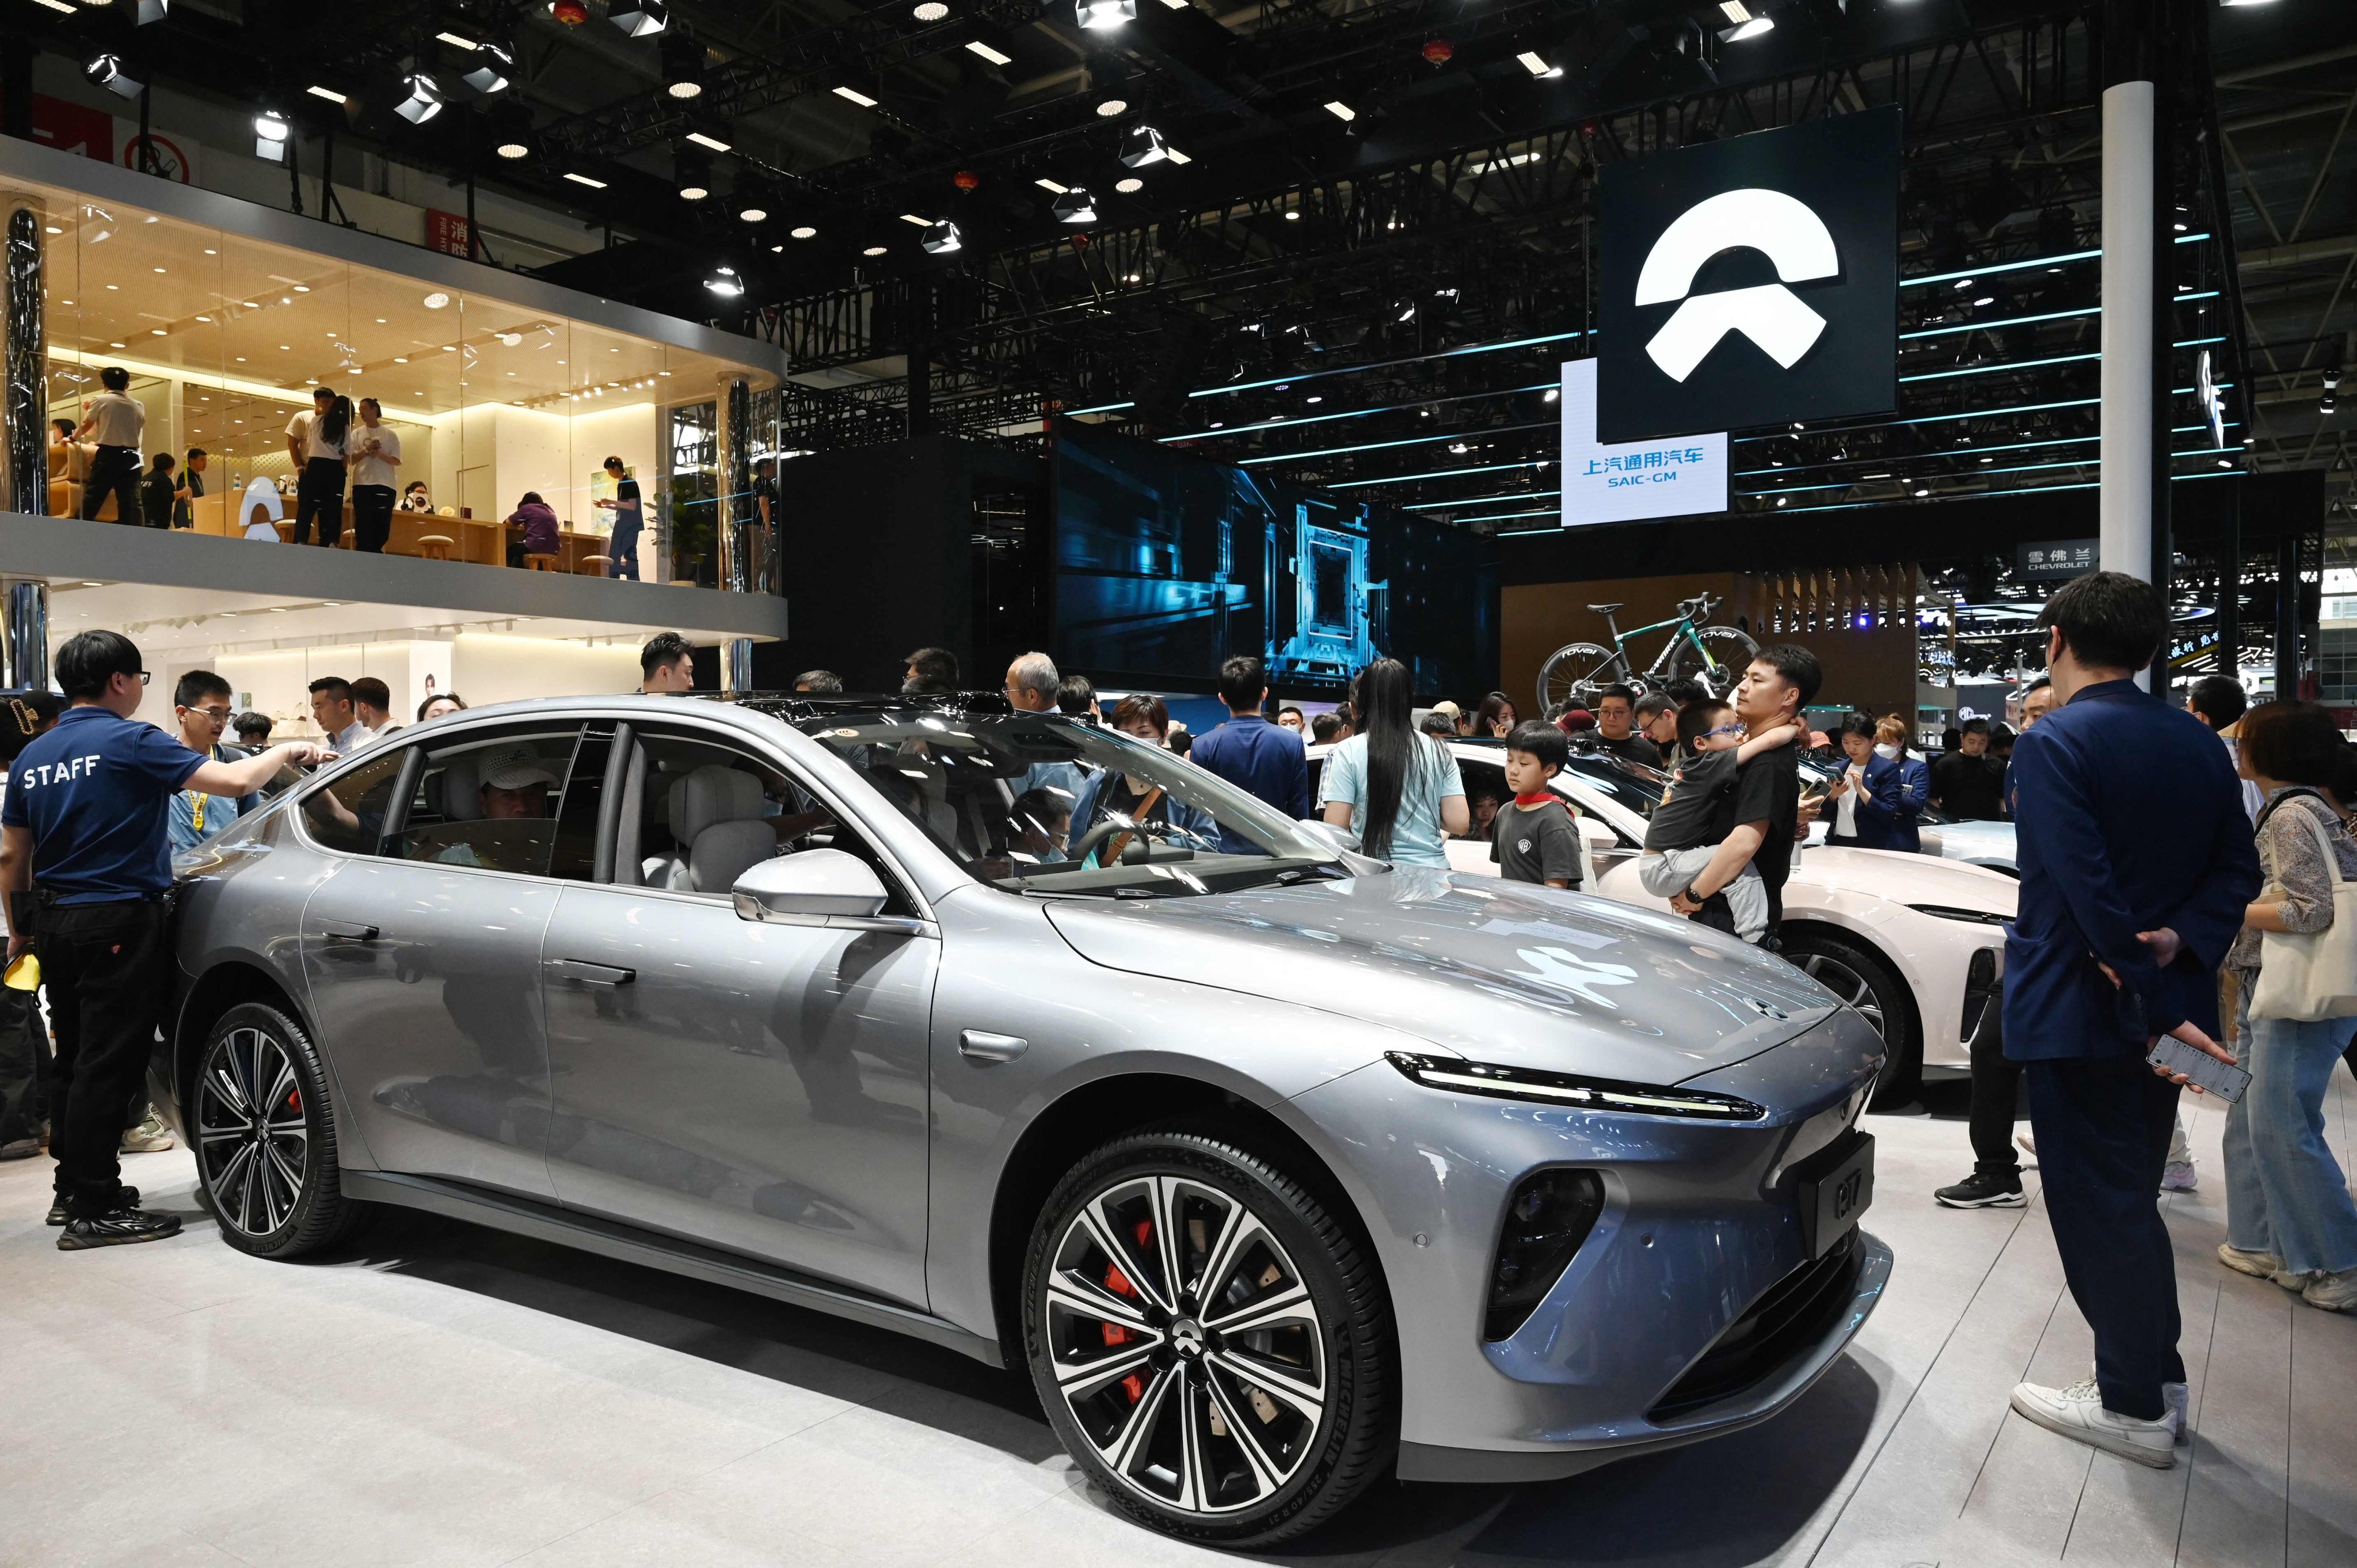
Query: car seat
{"type": "Point", "coordinates": [455, 794]}
{"type": "Point", "coordinates": [716, 815]}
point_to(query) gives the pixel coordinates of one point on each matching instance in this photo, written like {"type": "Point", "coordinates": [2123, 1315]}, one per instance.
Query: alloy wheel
{"type": "Point", "coordinates": [1184, 1345]}
{"type": "Point", "coordinates": [1845, 982]}
{"type": "Point", "coordinates": [252, 1138]}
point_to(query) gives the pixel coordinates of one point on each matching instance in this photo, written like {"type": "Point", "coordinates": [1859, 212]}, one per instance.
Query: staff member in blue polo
{"type": "Point", "coordinates": [85, 860]}
{"type": "Point", "coordinates": [1264, 759]}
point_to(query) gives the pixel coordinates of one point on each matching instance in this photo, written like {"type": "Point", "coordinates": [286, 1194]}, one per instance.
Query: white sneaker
{"type": "Point", "coordinates": [2078, 1412]}
{"type": "Point", "coordinates": [2178, 1177]}
{"type": "Point", "coordinates": [2178, 1398]}
{"type": "Point", "coordinates": [2335, 1292]}
{"type": "Point", "coordinates": [2244, 1261]}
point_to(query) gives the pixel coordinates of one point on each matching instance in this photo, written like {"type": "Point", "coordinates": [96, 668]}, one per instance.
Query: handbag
{"type": "Point", "coordinates": [2312, 975]}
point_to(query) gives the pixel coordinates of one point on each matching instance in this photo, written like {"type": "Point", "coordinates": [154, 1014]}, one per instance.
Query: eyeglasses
{"type": "Point", "coordinates": [1723, 729]}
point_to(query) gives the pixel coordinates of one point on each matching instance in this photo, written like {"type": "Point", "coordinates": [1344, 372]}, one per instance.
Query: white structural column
{"type": "Point", "coordinates": [2129, 234]}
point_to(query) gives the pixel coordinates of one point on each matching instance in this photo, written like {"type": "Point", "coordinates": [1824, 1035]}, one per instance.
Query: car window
{"type": "Point", "coordinates": [348, 813]}
{"type": "Point", "coordinates": [494, 801]}
{"type": "Point", "coordinates": [698, 809]}
{"type": "Point", "coordinates": [1638, 788]}
{"type": "Point", "coordinates": [1485, 791]}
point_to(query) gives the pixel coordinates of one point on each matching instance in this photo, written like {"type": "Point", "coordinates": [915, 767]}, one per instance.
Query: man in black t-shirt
{"type": "Point", "coordinates": [1755, 825]}
{"type": "Point", "coordinates": [1616, 727]}
{"type": "Point", "coordinates": [1968, 782]}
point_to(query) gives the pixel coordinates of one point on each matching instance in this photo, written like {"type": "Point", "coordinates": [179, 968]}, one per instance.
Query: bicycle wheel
{"type": "Point", "coordinates": [1731, 652]}
{"type": "Point", "coordinates": [1575, 672]}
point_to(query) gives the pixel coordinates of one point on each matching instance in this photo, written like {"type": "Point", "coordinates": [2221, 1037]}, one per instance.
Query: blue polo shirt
{"type": "Point", "coordinates": [1260, 759]}
{"type": "Point", "coordinates": [96, 791]}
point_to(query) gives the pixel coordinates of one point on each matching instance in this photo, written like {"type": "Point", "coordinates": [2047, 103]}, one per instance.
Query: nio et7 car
{"type": "Point", "coordinates": [1270, 1165]}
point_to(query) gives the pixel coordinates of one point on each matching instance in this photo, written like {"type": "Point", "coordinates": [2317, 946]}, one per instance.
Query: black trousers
{"type": "Point", "coordinates": [372, 517]}
{"type": "Point", "coordinates": [1997, 1091]}
{"type": "Point", "coordinates": [320, 493]}
{"type": "Point", "coordinates": [24, 1067]}
{"type": "Point", "coordinates": [2103, 1125]}
{"type": "Point", "coordinates": [104, 967]}
{"type": "Point", "coordinates": [113, 470]}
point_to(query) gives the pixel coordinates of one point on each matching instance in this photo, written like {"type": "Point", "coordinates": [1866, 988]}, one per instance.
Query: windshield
{"type": "Point", "coordinates": [1633, 786]}
{"type": "Point", "coordinates": [1039, 803]}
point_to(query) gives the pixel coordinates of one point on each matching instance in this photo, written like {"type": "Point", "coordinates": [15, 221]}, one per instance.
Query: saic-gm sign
{"type": "Point", "coordinates": [1751, 281]}
{"type": "Point", "coordinates": [1624, 483]}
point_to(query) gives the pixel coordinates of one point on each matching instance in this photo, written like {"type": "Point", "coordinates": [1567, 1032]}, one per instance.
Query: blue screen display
{"type": "Point", "coordinates": [1166, 564]}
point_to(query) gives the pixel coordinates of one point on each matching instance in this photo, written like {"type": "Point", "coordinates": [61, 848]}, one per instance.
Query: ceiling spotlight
{"type": "Point", "coordinates": [421, 98]}
{"type": "Point", "coordinates": [489, 74]}
{"type": "Point", "coordinates": [855, 96]}
{"type": "Point", "coordinates": [270, 132]}
{"type": "Point", "coordinates": [1097, 15]}
{"type": "Point", "coordinates": [1113, 106]}
{"type": "Point", "coordinates": [1130, 185]}
{"type": "Point", "coordinates": [932, 11]}
{"type": "Point", "coordinates": [1293, 215]}
{"type": "Point", "coordinates": [1340, 111]}
{"type": "Point", "coordinates": [1141, 145]}
{"type": "Point", "coordinates": [991, 55]}
{"type": "Point", "coordinates": [639, 18]}
{"type": "Point", "coordinates": [752, 212]}
{"type": "Point", "coordinates": [108, 71]}
{"type": "Point", "coordinates": [872, 251]}
{"type": "Point", "coordinates": [512, 148]}
{"type": "Point", "coordinates": [1751, 29]}
{"type": "Point", "coordinates": [695, 174]}
{"type": "Point", "coordinates": [942, 239]}
{"type": "Point", "coordinates": [682, 66]}
{"type": "Point", "coordinates": [805, 232]}
{"type": "Point", "coordinates": [724, 281]}
{"type": "Point", "coordinates": [1075, 206]}
{"type": "Point", "coordinates": [2331, 399]}
{"type": "Point", "coordinates": [329, 93]}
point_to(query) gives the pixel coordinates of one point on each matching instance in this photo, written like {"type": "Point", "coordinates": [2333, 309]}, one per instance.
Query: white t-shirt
{"type": "Point", "coordinates": [119, 419]}
{"type": "Point", "coordinates": [304, 428]}
{"type": "Point", "coordinates": [1416, 834]}
{"type": "Point", "coordinates": [374, 470]}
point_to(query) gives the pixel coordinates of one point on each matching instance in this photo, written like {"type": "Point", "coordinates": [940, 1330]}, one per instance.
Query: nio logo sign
{"type": "Point", "coordinates": [1751, 281]}
{"type": "Point", "coordinates": [1187, 1337]}
{"type": "Point", "coordinates": [1795, 239]}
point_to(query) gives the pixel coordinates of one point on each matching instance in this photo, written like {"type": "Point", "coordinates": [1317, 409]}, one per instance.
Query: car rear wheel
{"type": "Point", "coordinates": [265, 1138]}
{"type": "Point", "coordinates": [1867, 983]}
{"type": "Point", "coordinates": [1209, 1340]}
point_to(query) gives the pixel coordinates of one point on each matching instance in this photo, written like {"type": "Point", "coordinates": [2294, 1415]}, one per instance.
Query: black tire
{"type": "Point", "coordinates": [1731, 650]}
{"type": "Point", "coordinates": [1311, 1316]}
{"type": "Point", "coordinates": [1863, 979]}
{"type": "Point", "coordinates": [258, 1117]}
{"type": "Point", "coordinates": [1575, 672]}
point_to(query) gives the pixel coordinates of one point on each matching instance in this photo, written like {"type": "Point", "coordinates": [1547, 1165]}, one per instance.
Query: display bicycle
{"type": "Point", "coordinates": [1713, 655]}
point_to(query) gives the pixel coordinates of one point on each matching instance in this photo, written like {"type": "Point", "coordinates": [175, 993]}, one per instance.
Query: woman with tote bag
{"type": "Point", "coordinates": [2289, 1217]}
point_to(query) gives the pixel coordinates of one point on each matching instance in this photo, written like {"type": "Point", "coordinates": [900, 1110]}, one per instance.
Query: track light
{"type": "Point", "coordinates": [2331, 399]}
{"type": "Point", "coordinates": [421, 98]}
{"type": "Point", "coordinates": [489, 74]}
{"type": "Point", "coordinates": [270, 132]}
{"type": "Point", "coordinates": [942, 239]}
{"type": "Point", "coordinates": [1141, 145]}
{"type": "Point", "coordinates": [695, 172]}
{"type": "Point", "coordinates": [1113, 106]}
{"type": "Point", "coordinates": [1751, 29]}
{"type": "Point", "coordinates": [724, 282]}
{"type": "Point", "coordinates": [1129, 186]}
{"type": "Point", "coordinates": [1076, 206]}
{"type": "Point", "coordinates": [641, 18]}
{"type": "Point", "coordinates": [108, 71]}
{"type": "Point", "coordinates": [1098, 15]}
{"type": "Point", "coordinates": [932, 11]}
{"type": "Point", "coordinates": [682, 66]}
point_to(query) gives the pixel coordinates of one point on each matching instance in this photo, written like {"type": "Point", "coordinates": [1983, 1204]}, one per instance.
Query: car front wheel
{"type": "Point", "coordinates": [1209, 1342]}
{"type": "Point", "coordinates": [265, 1138]}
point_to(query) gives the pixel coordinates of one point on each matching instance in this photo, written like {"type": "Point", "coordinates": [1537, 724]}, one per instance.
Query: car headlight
{"type": "Point", "coordinates": [1565, 1089]}
{"type": "Point", "coordinates": [1973, 917]}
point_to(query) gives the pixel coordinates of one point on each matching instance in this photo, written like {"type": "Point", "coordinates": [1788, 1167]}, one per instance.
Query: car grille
{"type": "Point", "coordinates": [1794, 1311]}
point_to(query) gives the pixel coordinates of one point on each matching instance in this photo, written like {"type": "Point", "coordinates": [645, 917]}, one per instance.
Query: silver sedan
{"type": "Point", "coordinates": [1272, 1166]}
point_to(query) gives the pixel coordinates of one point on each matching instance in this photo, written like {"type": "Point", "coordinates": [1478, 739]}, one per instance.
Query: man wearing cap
{"type": "Point", "coordinates": [514, 788]}
{"type": "Point", "coordinates": [1453, 714]}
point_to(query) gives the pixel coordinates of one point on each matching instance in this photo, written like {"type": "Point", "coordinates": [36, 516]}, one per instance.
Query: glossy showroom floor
{"type": "Point", "coordinates": [441, 1394]}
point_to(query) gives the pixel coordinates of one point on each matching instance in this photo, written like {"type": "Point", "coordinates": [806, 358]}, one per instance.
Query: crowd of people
{"type": "Point", "coordinates": [2115, 947]}
{"type": "Point", "coordinates": [338, 446]}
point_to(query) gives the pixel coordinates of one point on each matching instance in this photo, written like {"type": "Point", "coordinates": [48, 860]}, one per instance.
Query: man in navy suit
{"type": "Point", "coordinates": [2137, 862]}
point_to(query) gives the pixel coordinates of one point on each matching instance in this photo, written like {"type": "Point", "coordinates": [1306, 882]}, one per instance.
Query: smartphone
{"type": "Point", "coordinates": [2223, 1080]}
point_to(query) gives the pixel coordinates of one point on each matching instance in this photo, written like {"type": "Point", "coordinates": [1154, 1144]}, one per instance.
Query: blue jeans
{"type": "Point", "coordinates": [2285, 1192]}
{"type": "Point", "coordinates": [623, 546]}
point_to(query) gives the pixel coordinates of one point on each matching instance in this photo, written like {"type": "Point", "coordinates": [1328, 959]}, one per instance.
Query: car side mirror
{"type": "Point", "coordinates": [813, 884]}
{"type": "Point", "coordinates": [1342, 841]}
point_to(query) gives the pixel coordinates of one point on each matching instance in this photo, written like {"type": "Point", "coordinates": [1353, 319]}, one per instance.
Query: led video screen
{"type": "Point", "coordinates": [1166, 564]}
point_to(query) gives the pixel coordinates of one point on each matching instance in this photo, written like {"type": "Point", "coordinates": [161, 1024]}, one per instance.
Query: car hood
{"type": "Point", "coordinates": [1904, 878]}
{"type": "Point", "coordinates": [1497, 971]}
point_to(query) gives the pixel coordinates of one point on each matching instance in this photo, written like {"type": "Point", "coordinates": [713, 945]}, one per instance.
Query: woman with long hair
{"type": "Point", "coordinates": [1495, 718]}
{"type": "Point", "coordinates": [316, 446]}
{"type": "Point", "coordinates": [1914, 784]}
{"type": "Point", "coordinates": [1399, 791]}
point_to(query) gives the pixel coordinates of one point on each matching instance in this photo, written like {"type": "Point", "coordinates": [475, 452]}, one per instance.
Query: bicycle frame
{"type": "Point", "coordinates": [1658, 668]}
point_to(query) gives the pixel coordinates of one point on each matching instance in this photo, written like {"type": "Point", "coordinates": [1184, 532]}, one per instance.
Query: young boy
{"type": "Point", "coordinates": [1534, 838]}
{"type": "Point", "coordinates": [1678, 844]}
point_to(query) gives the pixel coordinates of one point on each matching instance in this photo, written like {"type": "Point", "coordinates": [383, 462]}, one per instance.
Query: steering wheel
{"type": "Point", "coordinates": [1090, 841]}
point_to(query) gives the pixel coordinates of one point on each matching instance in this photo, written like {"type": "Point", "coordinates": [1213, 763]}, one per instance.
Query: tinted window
{"type": "Point", "coordinates": [491, 802]}
{"type": "Point", "coordinates": [350, 813]}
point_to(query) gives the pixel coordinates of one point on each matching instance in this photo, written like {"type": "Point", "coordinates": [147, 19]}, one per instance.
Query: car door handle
{"type": "Point", "coordinates": [347, 931]}
{"type": "Point", "coordinates": [592, 973]}
{"type": "Point", "coordinates": [981, 1046]}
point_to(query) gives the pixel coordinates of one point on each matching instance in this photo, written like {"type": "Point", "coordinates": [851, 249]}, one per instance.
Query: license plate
{"type": "Point", "coordinates": [1836, 1194]}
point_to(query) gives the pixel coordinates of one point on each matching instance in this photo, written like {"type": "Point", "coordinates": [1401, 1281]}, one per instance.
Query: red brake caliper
{"type": "Point", "coordinates": [1115, 1334]}
{"type": "Point", "coordinates": [294, 1101]}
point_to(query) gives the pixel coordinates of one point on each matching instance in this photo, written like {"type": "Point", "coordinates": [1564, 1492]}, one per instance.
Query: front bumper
{"type": "Point", "coordinates": [1701, 1225]}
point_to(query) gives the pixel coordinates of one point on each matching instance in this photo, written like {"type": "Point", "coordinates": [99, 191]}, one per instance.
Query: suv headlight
{"type": "Point", "coordinates": [1565, 1089]}
{"type": "Point", "coordinates": [1950, 912]}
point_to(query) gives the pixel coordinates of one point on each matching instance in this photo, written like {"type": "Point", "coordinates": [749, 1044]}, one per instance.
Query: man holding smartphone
{"type": "Point", "coordinates": [2137, 864]}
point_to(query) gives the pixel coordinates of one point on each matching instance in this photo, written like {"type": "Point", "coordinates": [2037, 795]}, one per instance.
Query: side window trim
{"type": "Point", "coordinates": [609, 805]}
{"type": "Point", "coordinates": [405, 790]}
